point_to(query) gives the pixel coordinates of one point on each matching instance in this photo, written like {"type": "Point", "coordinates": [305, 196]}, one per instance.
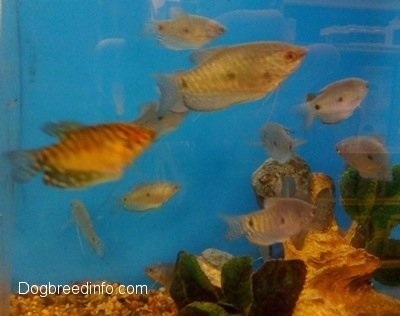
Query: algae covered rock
{"type": "Point", "coordinates": [271, 290]}
{"type": "Point", "coordinates": [267, 180]}
{"type": "Point", "coordinates": [375, 206]}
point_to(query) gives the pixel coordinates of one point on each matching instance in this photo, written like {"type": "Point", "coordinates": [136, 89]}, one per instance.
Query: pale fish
{"type": "Point", "coordinates": [162, 273]}
{"type": "Point", "coordinates": [229, 75]}
{"type": "Point", "coordinates": [278, 142]}
{"type": "Point", "coordinates": [281, 219]}
{"type": "Point", "coordinates": [82, 219]}
{"type": "Point", "coordinates": [149, 195]}
{"type": "Point", "coordinates": [368, 155]}
{"type": "Point", "coordinates": [86, 155]}
{"type": "Point", "coordinates": [185, 31]}
{"type": "Point", "coordinates": [337, 101]}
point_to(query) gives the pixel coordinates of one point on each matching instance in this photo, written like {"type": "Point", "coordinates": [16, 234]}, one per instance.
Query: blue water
{"type": "Point", "coordinates": [67, 73]}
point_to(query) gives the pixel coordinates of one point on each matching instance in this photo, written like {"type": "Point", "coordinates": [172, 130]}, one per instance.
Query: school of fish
{"type": "Point", "coordinates": [223, 76]}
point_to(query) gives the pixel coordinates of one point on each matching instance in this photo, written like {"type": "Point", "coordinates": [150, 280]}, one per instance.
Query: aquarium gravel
{"type": "Point", "coordinates": [155, 302]}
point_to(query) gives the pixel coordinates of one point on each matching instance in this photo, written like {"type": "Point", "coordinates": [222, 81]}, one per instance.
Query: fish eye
{"type": "Point", "coordinates": [317, 107]}
{"type": "Point", "coordinates": [370, 157]}
{"type": "Point", "coordinates": [275, 143]}
{"type": "Point", "coordinates": [160, 27]}
{"type": "Point", "coordinates": [282, 220]}
{"type": "Point", "coordinates": [337, 149]}
{"type": "Point", "coordinates": [290, 147]}
{"type": "Point", "coordinates": [185, 30]}
{"type": "Point", "coordinates": [148, 194]}
{"type": "Point", "coordinates": [340, 99]}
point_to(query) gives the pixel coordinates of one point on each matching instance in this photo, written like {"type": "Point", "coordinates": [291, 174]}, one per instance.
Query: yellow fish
{"type": "Point", "coordinates": [89, 155]}
{"type": "Point", "coordinates": [186, 31]}
{"type": "Point", "coordinates": [229, 75]}
{"type": "Point", "coordinates": [149, 195]}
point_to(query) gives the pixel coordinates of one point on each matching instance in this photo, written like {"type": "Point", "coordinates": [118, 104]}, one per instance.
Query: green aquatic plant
{"type": "Point", "coordinates": [375, 206]}
{"type": "Point", "coordinates": [272, 290]}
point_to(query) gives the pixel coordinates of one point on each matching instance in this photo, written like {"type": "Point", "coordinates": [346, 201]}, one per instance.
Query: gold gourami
{"type": "Point", "coordinates": [88, 155]}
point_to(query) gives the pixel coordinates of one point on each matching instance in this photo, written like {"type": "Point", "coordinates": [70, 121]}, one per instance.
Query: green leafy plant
{"type": "Point", "coordinates": [271, 290]}
{"type": "Point", "coordinates": [375, 206]}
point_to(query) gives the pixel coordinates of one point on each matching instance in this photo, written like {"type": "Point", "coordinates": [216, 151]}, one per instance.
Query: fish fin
{"type": "Point", "coordinates": [266, 252]}
{"type": "Point", "coordinates": [334, 118]}
{"type": "Point", "coordinates": [177, 13]}
{"type": "Point", "coordinates": [77, 179]}
{"type": "Point", "coordinates": [150, 28]}
{"type": "Point", "coordinates": [62, 128]}
{"type": "Point", "coordinates": [298, 240]}
{"type": "Point", "coordinates": [175, 43]}
{"type": "Point", "coordinates": [203, 55]}
{"type": "Point", "coordinates": [262, 239]}
{"type": "Point", "coordinates": [270, 201]}
{"type": "Point", "coordinates": [163, 124]}
{"type": "Point", "coordinates": [309, 115]}
{"type": "Point", "coordinates": [288, 186]}
{"type": "Point", "coordinates": [218, 102]}
{"type": "Point", "coordinates": [310, 97]}
{"type": "Point", "coordinates": [23, 165]}
{"type": "Point", "coordinates": [298, 142]}
{"type": "Point", "coordinates": [171, 98]}
{"type": "Point", "coordinates": [235, 227]}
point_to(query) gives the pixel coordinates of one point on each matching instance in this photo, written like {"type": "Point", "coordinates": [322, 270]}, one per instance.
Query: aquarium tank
{"type": "Point", "coordinates": [224, 157]}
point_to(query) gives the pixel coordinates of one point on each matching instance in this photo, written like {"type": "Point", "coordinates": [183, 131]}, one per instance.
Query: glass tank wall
{"type": "Point", "coordinates": [96, 62]}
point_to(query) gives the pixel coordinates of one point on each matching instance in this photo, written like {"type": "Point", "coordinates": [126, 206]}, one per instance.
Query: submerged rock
{"type": "Point", "coordinates": [267, 180]}
{"type": "Point", "coordinates": [338, 280]}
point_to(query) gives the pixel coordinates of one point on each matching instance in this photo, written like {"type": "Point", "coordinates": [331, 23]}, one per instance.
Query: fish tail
{"type": "Point", "coordinates": [162, 124]}
{"type": "Point", "coordinates": [23, 165]}
{"type": "Point", "coordinates": [150, 28]}
{"type": "Point", "coordinates": [171, 97]}
{"type": "Point", "coordinates": [235, 227]}
{"type": "Point", "coordinates": [307, 114]}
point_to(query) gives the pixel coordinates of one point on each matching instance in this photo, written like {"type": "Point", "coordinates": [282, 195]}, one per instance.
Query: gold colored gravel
{"type": "Point", "coordinates": [154, 303]}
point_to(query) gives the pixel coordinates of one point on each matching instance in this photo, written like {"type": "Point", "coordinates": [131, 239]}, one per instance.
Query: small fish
{"type": "Point", "coordinates": [84, 222]}
{"type": "Point", "coordinates": [229, 75]}
{"type": "Point", "coordinates": [278, 142]}
{"type": "Point", "coordinates": [88, 155]}
{"type": "Point", "coordinates": [186, 31]}
{"type": "Point", "coordinates": [162, 273]}
{"type": "Point", "coordinates": [280, 219]}
{"type": "Point", "coordinates": [337, 101]}
{"type": "Point", "coordinates": [149, 195]}
{"type": "Point", "coordinates": [368, 155]}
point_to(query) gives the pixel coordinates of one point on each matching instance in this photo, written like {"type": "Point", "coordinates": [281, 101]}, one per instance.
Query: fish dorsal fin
{"type": "Point", "coordinates": [62, 128]}
{"type": "Point", "coordinates": [310, 97]}
{"type": "Point", "coordinates": [270, 201]}
{"type": "Point", "coordinates": [177, 13]}
{"type": "Point", "coordinates": [202, 56]}
{"type": "Point", "coordinates": [379, 139]}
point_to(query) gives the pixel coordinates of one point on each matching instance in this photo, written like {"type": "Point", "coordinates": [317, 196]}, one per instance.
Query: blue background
{"type": "Point", "coordinates": [79, 59]}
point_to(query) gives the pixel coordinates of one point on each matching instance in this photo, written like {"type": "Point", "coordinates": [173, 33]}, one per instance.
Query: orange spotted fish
{"type": "Point", "coordinates": [89, 155]}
